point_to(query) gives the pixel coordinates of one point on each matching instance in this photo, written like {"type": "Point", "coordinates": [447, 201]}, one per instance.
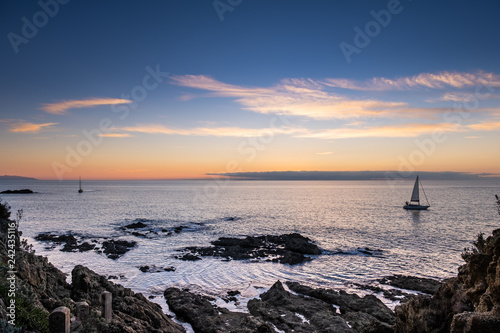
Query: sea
{"type": "Point", "coordinates": [344, 218]}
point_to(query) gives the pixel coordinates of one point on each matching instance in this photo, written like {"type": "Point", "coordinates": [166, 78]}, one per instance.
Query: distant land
{"type": "Point", "coordinates": [16, 178]}
{"type": "Point", "coordinates": [354, 175]}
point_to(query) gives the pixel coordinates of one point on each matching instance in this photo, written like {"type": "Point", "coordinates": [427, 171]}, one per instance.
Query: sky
{"type": "Point", "coordinates": [187, 89]}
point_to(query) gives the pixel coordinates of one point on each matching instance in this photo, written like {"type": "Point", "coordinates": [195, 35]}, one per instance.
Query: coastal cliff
{"type": "Point", "coordinates": [36, 288]}
{"type": "Point", "coordinates": [467, 303]}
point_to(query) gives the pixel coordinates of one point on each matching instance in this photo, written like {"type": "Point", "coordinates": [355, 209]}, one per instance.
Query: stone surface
{"type": "Point", "coordinates": [468, 303]}
{"type": "Point", "coordinates": [59, 320]}
{"type": "Point", "coordinates": [287, 249]}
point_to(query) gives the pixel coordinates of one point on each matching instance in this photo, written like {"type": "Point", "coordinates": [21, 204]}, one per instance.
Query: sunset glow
{"type": "Point", "coordinates": [180, 93]}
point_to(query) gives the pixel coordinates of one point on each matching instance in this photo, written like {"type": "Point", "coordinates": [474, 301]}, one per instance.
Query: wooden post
{"type": "Point", "coordinates": [59, 321]}
{"type": "Point", "coordinates": [106, 306]}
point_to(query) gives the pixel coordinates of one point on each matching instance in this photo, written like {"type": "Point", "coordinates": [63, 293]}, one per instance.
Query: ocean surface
{"type": "Point", "coordinates": [340, 216]}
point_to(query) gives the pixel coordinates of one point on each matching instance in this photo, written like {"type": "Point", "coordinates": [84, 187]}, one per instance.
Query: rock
{"type": "Point", "coordinates": [288, 312]}
{"type": "Point", "coordinates": [137, 225]}
{"type": "Point", "coordinates": [154, 269]}
{"type": "Point", "coordinates": [427, 286]}
{"type": "Point", "coordinates": [131, 311]}
{"type": "Point", "coordinates": [188, 257]}
{"type": "Point", "coordinates": [288, 249]}
{"type": "Point", "coordinates": [369, 304]}
{"type": "Point", "coordinates": [207, 318]}
{"type": "Point", "coordinates": [23, 191]}
{"type": "Point", "coordinates": [468, 303]}
{"type": "Point", "coordinates": [116, 248]}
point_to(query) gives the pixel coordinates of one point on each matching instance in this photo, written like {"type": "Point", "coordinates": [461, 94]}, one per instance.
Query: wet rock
{"type": "Point", "coordinates": [289, 249]}
{"type": "Point", "coordinates": [391, 294]}
{"type": "Point", "coordinates": [424, 285]}
{"type": "Point", "coordinates": [205, 317]}
{"type": "Point", "coordinates": [136, 225]}
{"type": "Point", "coordinates": [114, 249]}
{"type": "Point", "coordinates": [288, 312]}
{"type": "Point", "coordinates": [348, 303]}
{"type": "Point", "coordinates": [154, 269]}
{"type": "Point", "coordinates": [188, 257]}
{"type": "Point", "coordinates": [180, 228]}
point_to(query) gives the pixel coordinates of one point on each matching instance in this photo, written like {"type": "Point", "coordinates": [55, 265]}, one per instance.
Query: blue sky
{"type": "Point", "coordinates": [228, 78]}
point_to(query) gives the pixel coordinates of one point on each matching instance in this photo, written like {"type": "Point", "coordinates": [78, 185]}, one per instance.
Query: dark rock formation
{"type": "Point", "coordinates": [131, 312]}
{"type": "Point", "coordinates": [289, 312]}
{"type": "Point", "coordinates": [23, 191]}
{"type": "Point", "coordinates": [112, 248]}
{"type": "Point", "coordinates": [371, 308]}
{"type": "Point", "coordinates": [278, 309]}
{"type": "Point", "coordinates": [287, 249]}
{"type": "Point", "coordinates": [465, 304]}
{"type": "Point", "coordinates": [154, 269]}
{"type": "Point", "coordinates": [427, 286]}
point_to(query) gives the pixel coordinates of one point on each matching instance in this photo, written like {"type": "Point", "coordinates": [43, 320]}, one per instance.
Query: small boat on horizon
{"type": "Point", "coordinates": [414, 203]}
{"type": "Point", "coordinates": [80, 190]}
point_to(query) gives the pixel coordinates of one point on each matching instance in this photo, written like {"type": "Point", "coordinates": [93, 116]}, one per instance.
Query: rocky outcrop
{"type": "Point", "coordinates": [465, 304]}
{"type": "Point", "coordinates": [41, 287]}
{"type": "Point", "coordinates": [426, 286]}
{"type": "Point", "coordinates": [359, 310]}
{"type": "Point", "coordinates": [131, 312]}
{"type": "Point", "coordinates": [207, 318]}
{"type": "Point", "coordinates": [306, 310]}
{"type": "Point", "coordinates": [287, 249]}
{"type": "Point", "coordinates": [113, 249]}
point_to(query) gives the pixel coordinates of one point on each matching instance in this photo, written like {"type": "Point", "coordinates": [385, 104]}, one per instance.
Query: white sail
{"type": "Point", "coordinates": [414, 195]}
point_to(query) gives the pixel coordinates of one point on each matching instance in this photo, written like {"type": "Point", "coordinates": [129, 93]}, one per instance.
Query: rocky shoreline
{"type": "Point", "coordinates": [468, 303]}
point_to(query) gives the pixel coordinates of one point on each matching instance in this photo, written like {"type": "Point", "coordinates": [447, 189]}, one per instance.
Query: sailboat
{"type": "Point", "coordinates": [80, 190]}
{"type": "Point", "coordinates": [414, 203]}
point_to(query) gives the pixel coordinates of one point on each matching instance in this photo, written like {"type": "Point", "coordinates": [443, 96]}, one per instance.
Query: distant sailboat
{"type": "Point", "coordinates": [414, 203]}
{"type": "Point", "coordinates": [80, 190]}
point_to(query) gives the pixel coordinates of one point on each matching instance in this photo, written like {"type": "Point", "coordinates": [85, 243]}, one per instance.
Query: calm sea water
{"type": "Point", "coordinates": [337, 215]}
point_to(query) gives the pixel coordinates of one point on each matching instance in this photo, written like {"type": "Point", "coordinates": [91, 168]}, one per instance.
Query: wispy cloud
{"type": "Point", "coordinates": [485, 126]}
{"type": "Point", "coordinates": [297, 97]}
{"type": "Point", "coordinates": [24, 127]}
{"type": "Point", "coordinates": [322, 99]}
{"type": "Point", "coordinates": [61, 107]}
{"type": "Point", "coordinates": [115, 135]}
{"type": "Point", "coordinates": [395, 131]}
{"type": "Point", "coordinates": [425, 80]}
{"type": "Point", "coordinates": [210, 131]}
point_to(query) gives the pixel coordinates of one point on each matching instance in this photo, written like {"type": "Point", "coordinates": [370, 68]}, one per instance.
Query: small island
{"type": "Point", "coordinates": [23, 191]}
{"type": "Point", "coordinates": [10, 177]}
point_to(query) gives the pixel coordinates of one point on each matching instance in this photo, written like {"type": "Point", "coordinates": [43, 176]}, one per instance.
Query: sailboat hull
{"type": "Point", "coordinates": [415, 207]}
